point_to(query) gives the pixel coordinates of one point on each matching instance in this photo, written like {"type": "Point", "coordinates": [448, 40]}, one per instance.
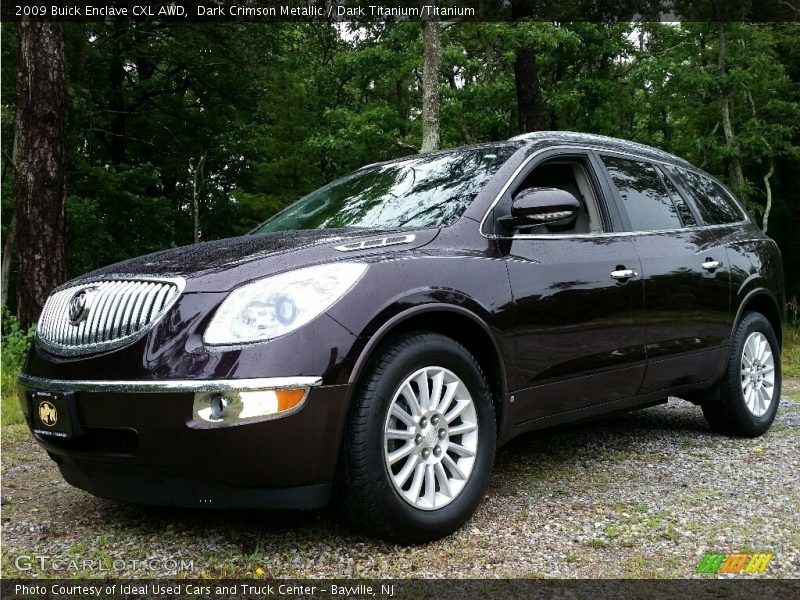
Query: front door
{"type": "Point", "coordinates": [578, 299]}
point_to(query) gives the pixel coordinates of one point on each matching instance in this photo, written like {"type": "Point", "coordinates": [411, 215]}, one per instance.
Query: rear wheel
{"type": "Point", "coordinates": [420, 441]}
{"type": "Point", "coordinates": [746, 399]}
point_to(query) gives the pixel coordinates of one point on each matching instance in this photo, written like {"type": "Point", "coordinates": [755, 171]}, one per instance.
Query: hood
{"type": "Point", "coordinates": [223, 264]}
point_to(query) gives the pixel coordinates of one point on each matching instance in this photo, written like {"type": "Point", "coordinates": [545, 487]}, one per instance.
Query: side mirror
{"type": "Point", "coordinates": [542, 206]}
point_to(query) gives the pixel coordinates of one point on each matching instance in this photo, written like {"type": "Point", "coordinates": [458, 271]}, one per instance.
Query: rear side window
{"type": "Point", "coordinates": [714, 203]}
{"type": "Point", "coordinates": [644, 196]}
{"type": "Point", "coordinates": [686, 214]}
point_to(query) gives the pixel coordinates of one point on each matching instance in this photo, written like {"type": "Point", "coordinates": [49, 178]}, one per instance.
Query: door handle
{"type": "Point", "coordinates": [622, 274]}
{"type": "Point", "coordinates": [711, 265]}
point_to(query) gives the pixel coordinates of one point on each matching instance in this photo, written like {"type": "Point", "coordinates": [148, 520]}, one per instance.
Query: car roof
{"type": "Point", "coordinates": [515, 143]}
{"type": "Point", "coordinates": [611, 143]}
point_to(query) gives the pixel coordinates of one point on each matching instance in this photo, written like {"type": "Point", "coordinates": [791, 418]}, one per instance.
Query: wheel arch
{"type": "Point", "coordinates": [458, 323]}
{"type": "Point", "coordinates": [761, 301]}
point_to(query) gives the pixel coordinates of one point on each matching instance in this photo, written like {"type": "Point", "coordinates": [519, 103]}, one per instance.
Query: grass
{"type": "Point", "coordinates": [790, 358]}
{"type": "Point", "coordinates": [10, 412]}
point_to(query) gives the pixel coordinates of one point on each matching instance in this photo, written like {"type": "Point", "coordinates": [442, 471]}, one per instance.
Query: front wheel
{"type": "Point", "coordinates": [420, 441]}
{"type": "Point", "coordinates": [745, 401]}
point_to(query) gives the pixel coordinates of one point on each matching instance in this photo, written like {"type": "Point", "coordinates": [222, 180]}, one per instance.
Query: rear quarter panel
{"type": "Point", "coordinates": [756, 266]}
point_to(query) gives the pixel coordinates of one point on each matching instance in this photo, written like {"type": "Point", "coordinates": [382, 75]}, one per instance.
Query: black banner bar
{"type": "Point", "coordinates": [264, 11]}
{"type": "Point", "coordinates": [744, 588]}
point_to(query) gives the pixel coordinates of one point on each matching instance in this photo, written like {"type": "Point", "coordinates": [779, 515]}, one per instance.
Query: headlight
{"type": "Point", "coordinates": [276, 305]}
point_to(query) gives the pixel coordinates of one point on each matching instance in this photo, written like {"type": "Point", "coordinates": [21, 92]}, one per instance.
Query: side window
{"type": "Point", "coordinates": [644, 196]}
{"type": "Point", "coordinates": [714, 203]}
{"type": "Point", "coordinates": [686, 214]}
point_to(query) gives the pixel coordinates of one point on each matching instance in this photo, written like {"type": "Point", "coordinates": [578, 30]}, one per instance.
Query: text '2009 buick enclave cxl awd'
{"type": "Point", "coordinates": [374, 342]}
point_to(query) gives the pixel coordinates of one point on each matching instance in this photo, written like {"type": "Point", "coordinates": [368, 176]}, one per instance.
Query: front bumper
{"type": "Point", "coordinates": [135, 444]}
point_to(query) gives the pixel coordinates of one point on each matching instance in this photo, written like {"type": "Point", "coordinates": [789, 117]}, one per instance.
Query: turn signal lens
{"type": "Point", "coordinates": [289, 398]}
{"type": "Point", "coordinates": [238, 408]}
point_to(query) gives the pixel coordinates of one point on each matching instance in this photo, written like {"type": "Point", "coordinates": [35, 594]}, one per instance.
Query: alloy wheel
{"type": "Point", "coordinates": [431, 438]}
{"type": "Point", "coordinates": [758, 373]}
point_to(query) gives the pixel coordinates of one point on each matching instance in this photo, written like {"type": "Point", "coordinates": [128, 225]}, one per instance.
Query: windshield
{"type": "Point", "coordinates": [417, 192]}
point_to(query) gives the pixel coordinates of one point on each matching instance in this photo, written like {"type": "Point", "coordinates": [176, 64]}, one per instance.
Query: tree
{"type": "Point", "coordinates": [280, 109]}
{"type": "Point", "coordinates": [432, 43]}
{"type": "Point", "coordinates": [197, 184]}
{"type": "Point", "coordinates": [526, 75]}
{"type": "Point", "coordinates": [734, 157]}
{"type": "Point", "coordinates": [40, 170]}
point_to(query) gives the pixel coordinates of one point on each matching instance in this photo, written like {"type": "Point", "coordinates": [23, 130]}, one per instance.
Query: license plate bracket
{"type": "Point", "coordinates": [53, 414]}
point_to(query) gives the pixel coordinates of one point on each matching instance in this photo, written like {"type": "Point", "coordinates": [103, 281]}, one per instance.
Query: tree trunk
{"type": "Point", "coordinates": [8, 251]}
{"type": "Point", "coordinates": [39, 171]}
{"type": "Point", "coordinates": [197, 182]}
{"type": "Point", "coordinates": [432, 42]}
{"type": "Point", "coordinates": [117, 142]}
{"type": "Point", "coordinates": [734, 160]}
{"type": "Point", "coordinates": [526, 71]}
{"type": "Point", "coordinates": [768, 208]}
{"type": "Point", "coordinates": [9, 243]}
{"type": "Point", "coordinates": [529, 98]}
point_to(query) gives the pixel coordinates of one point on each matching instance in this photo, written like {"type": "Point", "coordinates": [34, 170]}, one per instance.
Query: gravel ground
{"type": "Point", "coordinates": [642, 495]}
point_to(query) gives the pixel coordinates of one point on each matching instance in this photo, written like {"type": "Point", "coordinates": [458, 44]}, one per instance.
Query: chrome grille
{"type": "Point", "coordinates": [118, 310]}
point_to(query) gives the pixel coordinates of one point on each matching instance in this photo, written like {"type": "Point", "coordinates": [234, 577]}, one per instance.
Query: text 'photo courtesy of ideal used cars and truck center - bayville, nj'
{"type": "Point", "coordinates": [343, 295]}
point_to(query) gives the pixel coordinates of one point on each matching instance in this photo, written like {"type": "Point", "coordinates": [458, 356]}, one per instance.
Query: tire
{"type": "Point", "coordinates": [728, 409]}
{"type": "Point", "coordinates": [371, 495]}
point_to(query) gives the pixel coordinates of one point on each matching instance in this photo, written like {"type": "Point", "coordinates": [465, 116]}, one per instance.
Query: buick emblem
{"type": "Point", "coordinates": [79, 305]}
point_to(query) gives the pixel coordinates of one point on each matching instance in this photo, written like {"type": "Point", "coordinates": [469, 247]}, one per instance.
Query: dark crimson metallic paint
{"type": "Point", "coordinates": [564, 339]}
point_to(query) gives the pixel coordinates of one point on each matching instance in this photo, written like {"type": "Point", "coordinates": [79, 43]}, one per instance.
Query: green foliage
{"type": "Point", "coordinates": [791, 340]}
{"type": "Point", "coordinates": [16, 342]}
{"type": "Point", "coordinates": [15, 345]}
{"type": "Point", "coordinates": [275, 111]}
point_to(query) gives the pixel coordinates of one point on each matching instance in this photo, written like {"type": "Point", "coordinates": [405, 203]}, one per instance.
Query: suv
{"type": "Point", "coordinates": [378, 339]}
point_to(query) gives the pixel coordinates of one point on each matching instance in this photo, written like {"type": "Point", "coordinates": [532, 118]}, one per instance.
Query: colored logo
{"type": "Point", "coordinates": [48, 413]}
{"type": "Point", "coordinates": [740, 563]}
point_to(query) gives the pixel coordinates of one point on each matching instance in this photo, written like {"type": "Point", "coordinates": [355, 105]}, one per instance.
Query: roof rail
{"type": "Point", "coordinates": [574, 136]}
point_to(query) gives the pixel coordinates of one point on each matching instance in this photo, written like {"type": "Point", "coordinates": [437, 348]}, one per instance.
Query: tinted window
{"type": "Point", "coordinates": [715, 205]}
{"type": "Point", "coordinates": [686, 214]}
{"type": "Point", "coordinates": [423, 191]}
{"type": "Point", "coordinates": [644, 196]}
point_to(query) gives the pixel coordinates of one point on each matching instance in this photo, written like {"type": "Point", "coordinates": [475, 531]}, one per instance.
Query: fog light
{"type": "Point", "coordinates": [238, 408]}
{"type": "Point", "coordinates": [218, 405]}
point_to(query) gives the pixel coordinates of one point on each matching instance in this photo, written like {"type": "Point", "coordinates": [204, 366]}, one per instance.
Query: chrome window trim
{"type": "Point", "coordinates": [85, 349]}
{"type": "Point", "coordinates": [168, 385]}
{"type": "Point", "coordinates": [590, 147]}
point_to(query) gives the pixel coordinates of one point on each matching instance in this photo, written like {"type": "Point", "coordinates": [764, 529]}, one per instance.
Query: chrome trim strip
{"type": "Point", "coordinates": [169, 385]}
{"type": "Point", "coordinates": [577, 146]}
{"type": "Point", "coordinates": [85, 280]}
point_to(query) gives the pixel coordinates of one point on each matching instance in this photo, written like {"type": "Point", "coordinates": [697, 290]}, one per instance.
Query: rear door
{"type": "Point", "coordinates": [685, 273]}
